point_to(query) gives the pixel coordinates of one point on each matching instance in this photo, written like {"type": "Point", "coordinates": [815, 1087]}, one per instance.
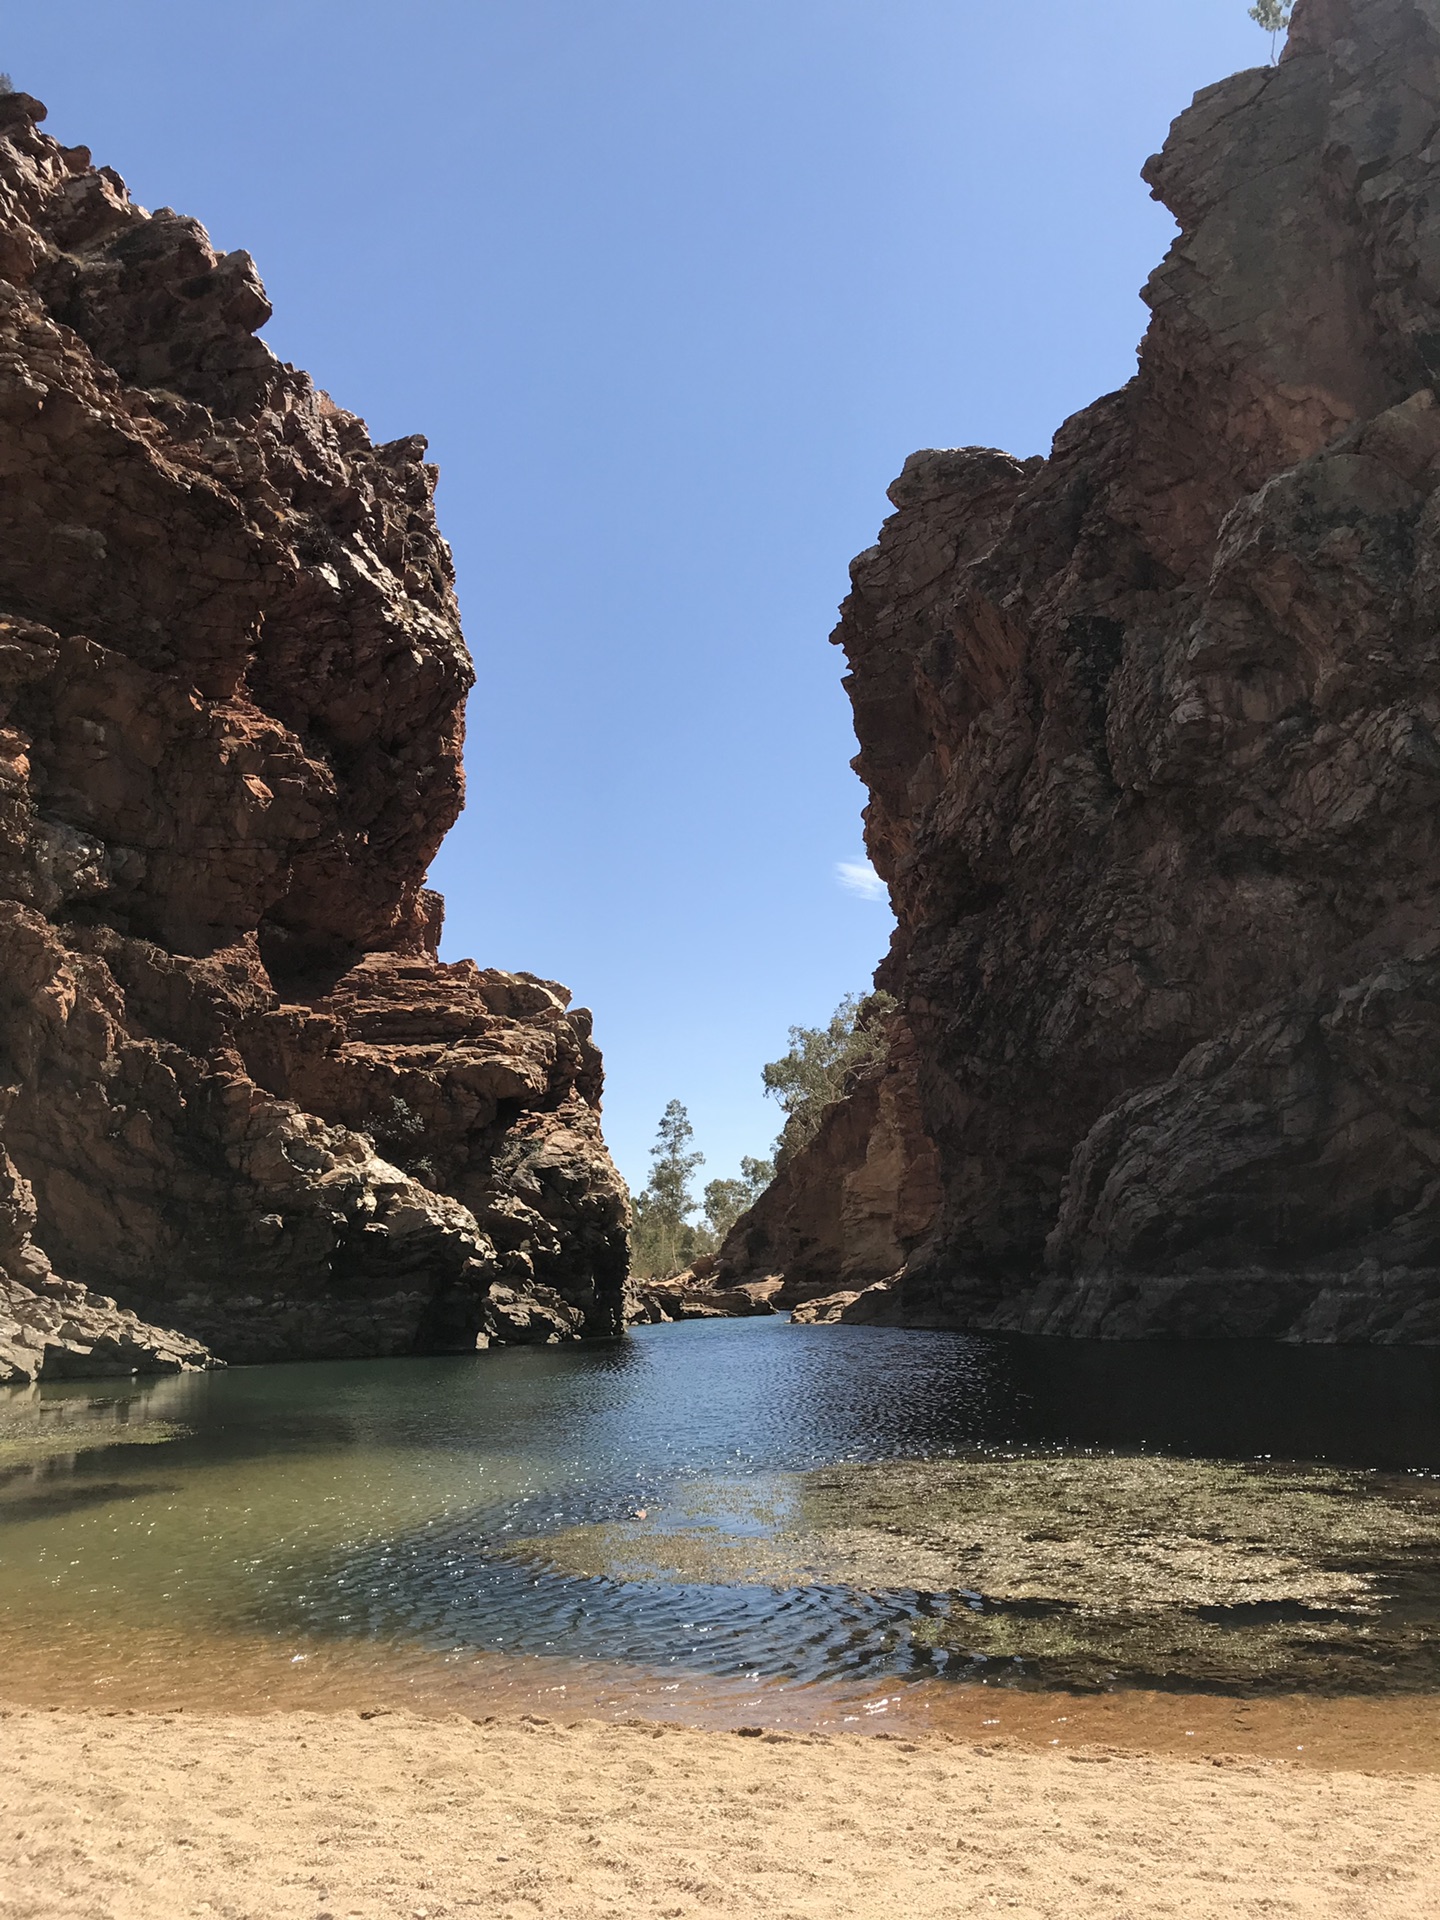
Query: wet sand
{"type": "Point", "coordinates": [297, 1816]}
{"type": "Point", "coordinates": [245, 1675]}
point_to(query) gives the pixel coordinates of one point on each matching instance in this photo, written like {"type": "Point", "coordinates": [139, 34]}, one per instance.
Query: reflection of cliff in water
{"type": "Point", "coordinates": [1364, 1406]}
{"type": "Point", "coordinates": [48, 1432]}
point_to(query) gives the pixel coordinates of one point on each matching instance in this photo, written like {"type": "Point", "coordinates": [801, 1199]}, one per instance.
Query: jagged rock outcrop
{"type": "Point", "coordinates": [55, 1327]}
{"type": "Point", "coordinates": [698, 1294]}
{"type": "Point", "coordinates": [1152, 736]}
{"type": "Point", "coordinates": [851, 1206]}
{"type": "Point", "coordinates": [238, 1091]}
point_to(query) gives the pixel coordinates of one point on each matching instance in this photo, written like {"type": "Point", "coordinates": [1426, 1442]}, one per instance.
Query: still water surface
{"type": "Point", "coordinates": [386, 1511]}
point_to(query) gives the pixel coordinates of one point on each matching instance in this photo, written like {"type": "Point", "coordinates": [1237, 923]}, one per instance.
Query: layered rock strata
{"type": "Point", "coordinates": [239, 1093]}
{"type": "Point", "coordinates": [696, 1294]}
{"type": "Point", "coordinates": [1151, 730]}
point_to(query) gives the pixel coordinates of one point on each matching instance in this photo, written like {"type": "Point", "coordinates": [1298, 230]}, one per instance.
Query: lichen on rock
{"type": "Point", "coordinates": [239, 1092]}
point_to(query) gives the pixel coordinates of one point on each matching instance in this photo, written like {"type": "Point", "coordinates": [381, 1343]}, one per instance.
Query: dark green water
{"type": "Point", "coordinates": [401, 1508]}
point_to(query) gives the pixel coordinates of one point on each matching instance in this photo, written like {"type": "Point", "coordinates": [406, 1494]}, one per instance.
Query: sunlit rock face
{"type": "Point", "coordinates": [849, 1208]}
{"type": "Point", "coordinates": [1151, 731]}
{"type": "Point", "coordinates": [238, 1091]}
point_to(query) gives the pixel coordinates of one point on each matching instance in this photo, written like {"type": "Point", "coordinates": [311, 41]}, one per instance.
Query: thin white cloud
{"type": "Point", "coordinates": [859, 877]}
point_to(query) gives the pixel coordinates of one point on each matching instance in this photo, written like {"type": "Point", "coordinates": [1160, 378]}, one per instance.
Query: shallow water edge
{"type": "Point", "coordinates": [744, 1522]}
{"type": "Point", "coordinates": [1390, 1735]}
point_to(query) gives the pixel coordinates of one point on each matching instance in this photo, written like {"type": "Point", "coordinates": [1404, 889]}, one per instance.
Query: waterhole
{"type": "Point", "coordinates": [731, 1512]}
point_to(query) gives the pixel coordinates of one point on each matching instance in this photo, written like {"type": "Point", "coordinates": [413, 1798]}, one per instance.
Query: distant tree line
{"type": "Point", "coordinates": [665, 1238]}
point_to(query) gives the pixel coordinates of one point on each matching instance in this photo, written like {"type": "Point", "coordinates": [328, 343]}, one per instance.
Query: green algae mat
{"type": "Point", "coordinates": [32, 1432]}
{"type": "Point", "coordinates": [1086, 1569]}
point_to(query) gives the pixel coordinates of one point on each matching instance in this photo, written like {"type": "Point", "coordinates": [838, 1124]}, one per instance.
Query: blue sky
{"type": "Point", "coordinates": [673, 286]}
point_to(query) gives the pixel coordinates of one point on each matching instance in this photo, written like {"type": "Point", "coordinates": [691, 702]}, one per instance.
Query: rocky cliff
{"type": "Point", "coordinates": [239, 1094]}
{"type": "Point", "coordinates": [1151, 730]}
{"type": "Point", "coordinates": [851, 1206]}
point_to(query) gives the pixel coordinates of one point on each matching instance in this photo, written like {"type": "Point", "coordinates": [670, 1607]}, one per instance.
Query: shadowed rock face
{"type": "Point", "coordinates": [238, 1091]}
{"type": "Point", "coordinates": [1152, 736]}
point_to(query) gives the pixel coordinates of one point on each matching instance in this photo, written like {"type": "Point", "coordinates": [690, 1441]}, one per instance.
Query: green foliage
{"type": "Point", "coordinates": [398, 1136]}
{"type": "Point", "coordinates": [726, 1200]}
{"type": "Point", "coordinates": [1272, 17]}
{"type": "Point", "coordinates": [662, 1239]}
{"type": "Point", "coordinates": [820, 1061]}
{"type": "Point", "coordinates": [402, 1122]}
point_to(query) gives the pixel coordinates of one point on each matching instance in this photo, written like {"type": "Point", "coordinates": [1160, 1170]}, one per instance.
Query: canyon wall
{"type": "Point", "coordinates": [1151, 731]}
{"type": "Point", "coordinates": [849, 1207]}
{"type": "Point", "coordinates": [243, 1106]}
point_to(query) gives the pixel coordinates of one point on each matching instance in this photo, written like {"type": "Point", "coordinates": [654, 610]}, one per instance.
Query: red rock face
{"type": "Point", "coordinates": [851, 1206]}
{"type": "Point", "coordinates": [1152, 736]}
{"type": "Point", "coordinates": [238, 1091]}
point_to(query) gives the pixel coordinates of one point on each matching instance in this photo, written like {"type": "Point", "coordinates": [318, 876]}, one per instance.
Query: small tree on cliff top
{"type": "Point", "coordinates": [726, 1200]}
{"type": "Point", "coordinates": [1273, 17]}
{"type": "Point", "coordinates": [820, 1061]}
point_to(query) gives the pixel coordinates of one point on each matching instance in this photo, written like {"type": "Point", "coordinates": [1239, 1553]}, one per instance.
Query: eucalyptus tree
{"type": "Point", "coordinates": [726, 1200]}
{"type": "Point", "coordinates": [1272, 17]}
{"type": "Point", "coordinates": [662, 1239]}
{"type": "Point", "coordinates": [820, 1061]}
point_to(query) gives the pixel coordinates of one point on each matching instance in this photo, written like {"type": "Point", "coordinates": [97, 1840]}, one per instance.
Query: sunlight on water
{"type": "Point", "coordinates": [652, 1507]}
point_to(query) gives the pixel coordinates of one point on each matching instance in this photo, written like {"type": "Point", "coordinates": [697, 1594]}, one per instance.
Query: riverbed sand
{"type": "Point", "coordinates": [397, 1817]}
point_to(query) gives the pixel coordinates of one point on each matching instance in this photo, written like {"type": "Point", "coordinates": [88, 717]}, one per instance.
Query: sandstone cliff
{"type": "Point", "coordinates": [853, 1204]}
{"type": "Point", "coordinates": [1151, 731]}
{"type": "Point", "coordinates": [239, 1094]}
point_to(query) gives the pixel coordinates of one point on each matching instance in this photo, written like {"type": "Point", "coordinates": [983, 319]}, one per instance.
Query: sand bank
{"type": "Point", "coordinates": [299, 1816]}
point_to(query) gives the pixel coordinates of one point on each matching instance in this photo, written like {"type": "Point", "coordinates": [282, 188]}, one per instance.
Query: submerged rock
{"type": "Point", "coordinates": [1075, 1569]}
{"type": "Point", "coordinates": [239, 1091]}
{"type": "Point", "coordinates": [1151, 731]}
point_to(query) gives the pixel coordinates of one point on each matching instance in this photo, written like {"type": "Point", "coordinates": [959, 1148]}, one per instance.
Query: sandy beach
{"type": "Point", "coordinates": [298, 1816]}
